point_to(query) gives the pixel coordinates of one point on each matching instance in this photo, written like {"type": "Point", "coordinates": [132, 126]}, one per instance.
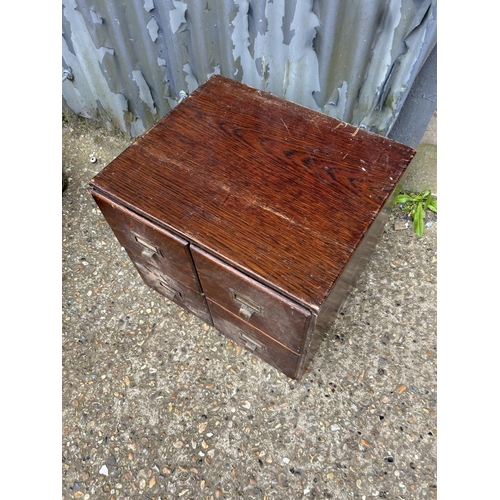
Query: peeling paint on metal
{"type": "Point", "coordinates": [337, 108]}
{"type": "Point", "coordinates": [102, 51]}
{"type": "Point", "coordinates": [92, 85]}
{"type": "Point", "coordinates": [149, 5]}
{"type": "Point", "coordinates": [177, 15]}
{"type": "Point", "coordinates": [144, 90]}
{"type": "Point", "coordinates": [190, 79]}
{"type": "Point", "coordinates": [153, 28]}
{"type": "Point", "coordinates": [352, 60]}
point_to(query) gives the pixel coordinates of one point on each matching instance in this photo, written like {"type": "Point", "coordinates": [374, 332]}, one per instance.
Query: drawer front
{"type": "Point", "coordinates": [253, 302]}
{"type": "Point", "coordinates": [255, 341]}
{"type": "Point", "coordinates": [151, 244]}
{"type": "Point", "coordinates": [175, 291]}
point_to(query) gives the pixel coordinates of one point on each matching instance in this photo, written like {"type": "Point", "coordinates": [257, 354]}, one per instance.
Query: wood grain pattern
{"type": "Point", "coordinates": [254, 340]}
{"type": "Point", "coordinates": [281, 192]}
{"type": "Point", "coordinates": [264, 309]}
{"type": "Point", "coordinates": [172, 255]}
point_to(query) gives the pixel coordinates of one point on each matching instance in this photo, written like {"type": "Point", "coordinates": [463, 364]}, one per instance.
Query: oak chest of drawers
{"type": "Point", "coordinates": [254, 213]}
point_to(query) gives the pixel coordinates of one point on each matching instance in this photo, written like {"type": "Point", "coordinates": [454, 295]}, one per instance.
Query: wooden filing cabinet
{"type": "Point", "coordinates": [254, 213]}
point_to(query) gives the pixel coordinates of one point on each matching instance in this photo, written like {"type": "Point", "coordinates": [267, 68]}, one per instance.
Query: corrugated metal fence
{"type": "Point", "coordinates": [127, 61]}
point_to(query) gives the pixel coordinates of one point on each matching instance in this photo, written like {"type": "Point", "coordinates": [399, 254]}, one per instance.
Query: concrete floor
{"type": "Point", "coordinates": [158, 405]}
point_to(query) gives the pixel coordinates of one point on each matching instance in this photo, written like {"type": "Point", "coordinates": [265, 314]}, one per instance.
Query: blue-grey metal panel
{"type": "Point", "coordinates": [352, 59]}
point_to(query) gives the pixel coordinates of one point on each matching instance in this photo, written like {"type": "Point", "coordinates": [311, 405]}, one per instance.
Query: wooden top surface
{"type": "Point", "coordinates": [281, 192]}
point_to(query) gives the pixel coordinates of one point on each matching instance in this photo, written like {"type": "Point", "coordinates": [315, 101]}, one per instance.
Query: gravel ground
{"type": "Point", "coordinates": [158, 405]}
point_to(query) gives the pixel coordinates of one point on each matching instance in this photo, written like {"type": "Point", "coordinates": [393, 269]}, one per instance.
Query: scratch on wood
{"type": "Point", "coordinates": [286, 128]}
{"type": "Point", "coordinates": [318, 128]}
{"type": "Point", "coordinates": [356, 131]}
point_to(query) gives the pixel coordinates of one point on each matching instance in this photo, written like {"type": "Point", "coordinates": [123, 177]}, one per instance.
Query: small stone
{"type": "Point", "coordinates": [286, 460]}
{"type": "Point", "coordinates": [79, 494]}
{"type": "Point", "coordinates": [202, 427]}
{"type": "Point", "coordinates": [178, 444]}
{"type": "Point", "coordinates": [400, 225]}
{"type": "Point", "coordinates": [365, 443]}
{"type": "Point", "coordinates": [103, 470]}
{"type": "Point", "coordinates": [384, 399]}
{"type": "Point", "coordinates": [335, 427]}
{"type": "Point", "coordinates": [330, 475]}
{"type": "Point", "coordinates": [142, 483]}
{"type": "Point", "coordinates": [401, 389]}
{"type": "Point", "coordinates": [152, 482]}
{"type": "Point", "coordinates": [282, 480]}
{"type": "Point", "coordinates": [218, 493]}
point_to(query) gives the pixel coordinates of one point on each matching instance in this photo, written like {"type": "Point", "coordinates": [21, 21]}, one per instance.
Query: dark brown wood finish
{"type": "Point", "coordinates": [174, 290]}
{"type": "Point", "coordinates": [254, 340]}
{"type": "Point", "coordinates": [153, 245]}
{"type": "Point", "coordinates": [253, 212]}
{"type": "Point", "coordinates": [253, 302]}
{"type": "Point", "coordinates": [281, 192]}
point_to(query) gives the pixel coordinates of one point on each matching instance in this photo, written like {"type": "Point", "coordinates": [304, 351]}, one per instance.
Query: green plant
{"type": "Point", "coordinates": [415, 204]}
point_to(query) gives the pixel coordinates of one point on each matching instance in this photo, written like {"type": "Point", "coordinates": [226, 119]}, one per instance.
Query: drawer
{"type": "Point", "coordinates": [255, 341]}
{"type": "Point", "coordinates": [253, 302]}
{"type": "Point", "coordinates": [175, 291]}
{"type": "Point", "coordinates": [151, 244]}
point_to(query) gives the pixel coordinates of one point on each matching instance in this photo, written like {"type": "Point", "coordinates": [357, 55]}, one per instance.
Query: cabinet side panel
{"type": "Point", "coordinates": [346, 281]}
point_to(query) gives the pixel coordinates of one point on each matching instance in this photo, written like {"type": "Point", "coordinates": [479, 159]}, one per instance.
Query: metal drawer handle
{"type": "Point", "coordinates": [170, 292]}
{"type": "Point", "coordinates": [149, 250]}
{"type": "Point", "coordinates": [247, 306]}
{"type": "Point", "coordinates": [252, 344]}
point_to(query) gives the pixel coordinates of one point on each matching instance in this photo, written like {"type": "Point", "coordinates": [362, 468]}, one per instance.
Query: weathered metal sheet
{"type": "Point", "coordinates": [355, 60]}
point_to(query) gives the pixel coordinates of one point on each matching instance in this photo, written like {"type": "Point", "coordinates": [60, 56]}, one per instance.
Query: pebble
{"type": "Point", "coordinates": [400, 225]}
{"type": "Point", "coordinates": [103, 470]}
{"type": "Point", "coordinates": [282, 480]}
{"type": "Point", "coordinates": [335, 427]}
